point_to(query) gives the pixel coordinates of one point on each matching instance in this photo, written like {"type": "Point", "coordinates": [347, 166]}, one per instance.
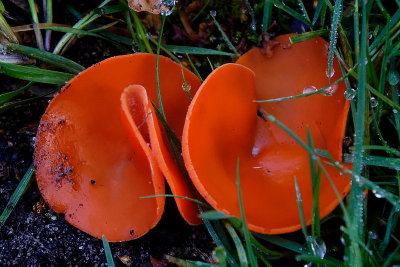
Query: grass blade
{"type": "Point", "coordinates": [5, 28]}
{"type": "Point", "coordinates": [38, 34]}
{"type": "Point", "coordinates": [238, 244]}
{"type": "Point", "coordinates": [266, 15]}
{"type": "Point", "coordinates": [298, 38]}
{"type": "Point", "coordinates": [300, 210]}
{"type": "Point", "coordinates": [55, 60]}
{"type": "Point", "coordinates": [337, 14]}
{"type": "Point", "coordinates": [4, 98]}
{"type": "Point", "coordinates": [107, 251]}
{"type": "Point", "coordinates": [160, 102]}
{"type": "Point", "coordinates": [196, 50]}
{"type": "Point", "coordinates": [356, 193]}
{"type": "Point", "coordinates": [35, 74]}
{"type": "Point", "coordinates": [290, 11]}
{"type": "Point", "coordinates": [227, 41]}
{"type": "Point", "coordinates": [245, 229]}
{"type": "Point", "coordinates": [22, 186]}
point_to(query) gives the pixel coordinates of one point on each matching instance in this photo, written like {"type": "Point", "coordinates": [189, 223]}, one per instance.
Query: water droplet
{"type": "Point", "coordinates": [332, 73]}
{"type": "Point", "coordinates": [186, 88]}
{"type": "Point", "coordinates": [373, 102]}
{"type": "Point", "coordinates": [253, 26]}
{"type": "Point", "coordinates": [331, 90]}
{"type": "Point", "coordinates": [350, 94]}
{"type": "Point", "coordinates": [370, 36]}
{"type": "Point", "coordinates": [395, 111]}
{"type": "Point", "coordinates": [343, 241]}
{"type": "Point", "coordinates": [318, 246]}
{"type": "Point", "coordinates": [372, 235]}
{"type": "Point", "coordinates": [310, 89]}
{"type": "Point", "coordinates": [378, 193]}
{"type": "Point", "coordinates": [393, 77]}
{"type": "Point", "coordinates": [213, 13]}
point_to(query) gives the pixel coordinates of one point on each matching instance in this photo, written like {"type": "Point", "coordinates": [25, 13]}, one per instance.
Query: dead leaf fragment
{"type": "Point", "coordinates": [152, 6]}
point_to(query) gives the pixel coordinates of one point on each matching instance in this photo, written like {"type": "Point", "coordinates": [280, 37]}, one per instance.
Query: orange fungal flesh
{"type": "Point", "coordinates": [137, 107]}
{"type": "Point", "coordinates": [222, 125]}
{"type": "Point", "coordinates": [88, 166]}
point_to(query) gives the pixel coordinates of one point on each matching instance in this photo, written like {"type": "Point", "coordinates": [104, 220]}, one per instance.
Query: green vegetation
{"type": "Point", "coordinates": [364, 35]}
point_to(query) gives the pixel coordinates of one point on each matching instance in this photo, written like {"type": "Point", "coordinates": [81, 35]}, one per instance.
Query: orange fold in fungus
{"type": "Point", "coordinates": [222, 125]}
{"type": "Point", "coordinates": [93, 162]}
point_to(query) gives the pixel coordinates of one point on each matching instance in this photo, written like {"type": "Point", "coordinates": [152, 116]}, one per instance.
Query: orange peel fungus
{"type": "Point", "coordinates": [99, 147]}
{"type": "Point", "coordinates": [222, 125]}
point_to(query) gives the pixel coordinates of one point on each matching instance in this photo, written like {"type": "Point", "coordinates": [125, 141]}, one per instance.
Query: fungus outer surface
{"type": "Point", "coordinates": [222, 125]}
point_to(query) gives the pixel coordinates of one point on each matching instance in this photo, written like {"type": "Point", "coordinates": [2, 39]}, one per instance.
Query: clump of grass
{"type": "Point", "coordinates": [369, 51]}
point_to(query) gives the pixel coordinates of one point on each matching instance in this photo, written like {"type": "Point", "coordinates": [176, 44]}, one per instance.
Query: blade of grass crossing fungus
{"type": "Point", "coordinates": [183, 197]}
{"type": "Point", "coordinates": [160, 103]}
{"type": "Point", "coordinates": [196, 50]}
{"type": "Point", "coordinates": [319, 91]}
{"type": "Point", "coordinates": [107, 251]}
{"type": "Point", "coordinates": [21, 188]}
{"type": "Point", "coordinates": [35, 74]}
{"type": "Point", "coordinates": [336, 17]}
{"type": "Point", "coordinates": [301, 216]}
{"type": "Point", "coordinates": [4, 98]}
{"type": "Point", "coordinates": [246, 233]}
{"type": "Point", "coordinates": [35, 19]}
{"type": "Point", "coordinates": [317, 160]}
{"type": "Point", "coordinates": [238, 244]}
{"type": "Point", "coordinates": [315, 182]}
{"type": "Point", "coordinates": [213, 13]}
{"type": "Point", "coordinates": [298, 38]}
{"type": "Point", "coordinates": [185, 85]}
{"type": "Point", "coordinates": [48, 19]}
{"type": "Point", "coordinates": [48, 57]}
{"type": "Point", "coordinates": [266, 15]}
{"type": "Point", "coordinates": [356, 204]}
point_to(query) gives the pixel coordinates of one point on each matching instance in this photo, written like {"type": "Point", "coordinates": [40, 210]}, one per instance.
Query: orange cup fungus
{"type": "Point", "coordinates": [100, 147]}
{"type": "Point", "coordinates": [222, 125]}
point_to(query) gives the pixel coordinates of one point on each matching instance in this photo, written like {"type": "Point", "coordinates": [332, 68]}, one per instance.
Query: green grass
{"type": "Point", "coordinates": [364, 35]}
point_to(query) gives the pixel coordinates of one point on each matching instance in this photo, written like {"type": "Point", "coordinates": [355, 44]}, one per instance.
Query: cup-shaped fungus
{"type": "Point", "coordinates": [94, 163]}
{"type": "Point", "coordinates": [222, 125]}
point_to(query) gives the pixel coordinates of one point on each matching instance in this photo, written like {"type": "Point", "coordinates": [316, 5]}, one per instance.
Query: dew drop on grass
{"type": "Point", "coordinates": [350, 94]}
{"type": "Point", "coordinates": [372, 235]}
{"type": "Point", "coordinates": [393, 77]}
{"type": "Point", "coordinates": [253, 26]}
{"type": "Point", "coordinates": [213, 13]}
{"type": "Point", "coordinates": [184, 87]}
{"type": "Point", "coordinates": [318, 246]}
{"type": "Point", "coordinates": [395, 111]}
{"type": "Point", "coordinates": [378, 193]}
{"type": "Point", "coordinates": [331, 90]}
{"type": "Point", "coordinates": [331, 74]}
{"type": "Point", "coordinates": [373, 102]}
{"type": "Point", "coordinates": [309, 89]}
